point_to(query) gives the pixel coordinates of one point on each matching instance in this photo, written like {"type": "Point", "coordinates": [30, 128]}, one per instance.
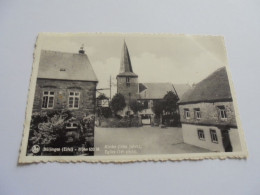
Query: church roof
{"type": "Point", "coordinates": [125, 64]}
{"type": "Point", "coordinates": [65, 66]}
{"type": "Point", "coordinates": [159, 90]}
{"type": "Point", "coordinates": [213, 88]}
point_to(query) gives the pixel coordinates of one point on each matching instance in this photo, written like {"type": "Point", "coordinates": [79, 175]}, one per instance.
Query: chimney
{"type": "Point", "coordinates": [81, 50]}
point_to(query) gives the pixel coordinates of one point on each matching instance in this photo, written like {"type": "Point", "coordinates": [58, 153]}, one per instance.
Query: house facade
{"type": "Point", "coordinates": [66, 81]}
{"type": "Point", "coordinates": [208, 116]}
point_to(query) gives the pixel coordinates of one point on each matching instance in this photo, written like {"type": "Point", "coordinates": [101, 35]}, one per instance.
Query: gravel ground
{"type": "Point", "coordinates": [141, 140]}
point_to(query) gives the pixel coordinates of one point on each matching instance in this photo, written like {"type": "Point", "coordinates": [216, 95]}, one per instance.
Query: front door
{"type": "Point", "coordinates": [226, 140]}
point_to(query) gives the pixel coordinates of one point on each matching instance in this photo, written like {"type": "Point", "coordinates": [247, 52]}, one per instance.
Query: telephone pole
{"type": "Point", "coordinates": [110, 85]}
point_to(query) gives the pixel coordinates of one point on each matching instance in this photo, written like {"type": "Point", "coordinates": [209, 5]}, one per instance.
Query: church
{"type": "Point", "coordinates": [146, 93]}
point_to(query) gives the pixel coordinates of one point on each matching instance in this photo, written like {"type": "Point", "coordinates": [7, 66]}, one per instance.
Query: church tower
{"type": "Point", "coordinates": [127, 80]}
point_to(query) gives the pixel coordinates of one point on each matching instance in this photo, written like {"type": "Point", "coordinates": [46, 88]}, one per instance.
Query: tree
{"type": "Point", "coordinates": [158, 107]}
{"type": "Point", "coordinates": [136, 106]}
{"type": "Point", "coordinates": [170, 102]}
{"type": "Point", "coordinates": [118, 102]}
{"type": "Point", "coordinates": [106, 112]}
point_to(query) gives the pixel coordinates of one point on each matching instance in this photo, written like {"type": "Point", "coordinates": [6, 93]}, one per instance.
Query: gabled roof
{"type": "Point", "coordinates": [154, 90]}
{"type": "Point", "coordinates": [65, 66]}
{"type": "Point", "coordinates": [125, 64]}
{"type": "Point", "coordinates": [213, 88]}
{"type": "Point", "coordinates": [181, 89]}
{"type": "Point", "coordinates": [159, 90]}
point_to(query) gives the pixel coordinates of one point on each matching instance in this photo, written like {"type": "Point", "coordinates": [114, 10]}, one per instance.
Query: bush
{"type": "Point", "coordinates": [49, 129]}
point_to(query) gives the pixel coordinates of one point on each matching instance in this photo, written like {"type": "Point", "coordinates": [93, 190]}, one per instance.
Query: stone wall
{"type": "Point", "coordinates": [61, 90]}
{"type": "Point", "coordinates": [209, 113]}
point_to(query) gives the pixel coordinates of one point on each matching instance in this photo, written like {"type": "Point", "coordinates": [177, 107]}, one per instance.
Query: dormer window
{"type": "Point", "coordinates": [222, 113]}
{"type": "Point", "coordinates": [127, 81]}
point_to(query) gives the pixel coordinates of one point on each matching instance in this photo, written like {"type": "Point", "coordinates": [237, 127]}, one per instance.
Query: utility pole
{"type": "Point", "coordinates": [110, 85]}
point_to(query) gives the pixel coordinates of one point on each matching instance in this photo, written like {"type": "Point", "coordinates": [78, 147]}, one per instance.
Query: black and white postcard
{"type": "Point", "coordinates": [119, 97]}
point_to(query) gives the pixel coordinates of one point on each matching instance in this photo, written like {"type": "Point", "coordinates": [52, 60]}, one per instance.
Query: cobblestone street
{"type": "Point", "coordinates": [142, 140]}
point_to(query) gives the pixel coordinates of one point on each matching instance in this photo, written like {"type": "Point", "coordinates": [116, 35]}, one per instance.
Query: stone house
{"type": "Point", "coordinates": [208, 116]}
{"type": "Point", "coordinates": [66, 81]}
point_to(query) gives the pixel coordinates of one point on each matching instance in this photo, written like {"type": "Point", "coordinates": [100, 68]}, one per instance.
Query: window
{"type": "Point", "coordinates": [186, 113]}
{"type": "Point", "coordinates": [213, 135]}
{"type": "Point", "coordinates": [74, 100]}
{"type": "Point", "coordinates": [48, 99]}
{"type": "Point", "coordinates": [127, 81]}
{"type": "Point", "coordinates": [222, 113]}
{"type": "Point", "coordinates": [197, 113]}
{"type": "Point", "coordinates": [71, 126]}
{"type": "Point", "coordinates": [201, 134]}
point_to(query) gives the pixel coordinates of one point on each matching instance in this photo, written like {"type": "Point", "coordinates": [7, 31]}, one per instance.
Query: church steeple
{"type": "Point", "coordinates": [125, 63]}
{"type": "Point", "coordinates": [127, 80]}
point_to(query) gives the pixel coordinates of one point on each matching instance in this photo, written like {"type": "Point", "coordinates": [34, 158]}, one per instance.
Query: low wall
{"type": "Point", "coordinates": [124, 122]}
{"type": "Point", "coordinates": [190, 136]}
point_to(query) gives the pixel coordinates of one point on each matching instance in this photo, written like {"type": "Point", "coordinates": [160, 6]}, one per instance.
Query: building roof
{"type": "Point", "coordinates": [125, 64]}
{"type": "Point", "coordinates": [181, 89]}
{"type": "Point", "coordinates": [213, 88]}
{"type": "Point", "coordinates": [154, 90]}
{"type": "Point", "coordinates": [159, 90]}
{"type": "Point", "coordinates": [65, 66]}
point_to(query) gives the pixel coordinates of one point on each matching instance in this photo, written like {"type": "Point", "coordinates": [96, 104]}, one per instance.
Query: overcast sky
{"type": "Point", "coordinates": [161, 58]}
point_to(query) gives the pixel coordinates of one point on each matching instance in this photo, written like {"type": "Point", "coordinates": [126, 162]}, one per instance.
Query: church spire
{"type": "Point", "coordinates": [125, 64]}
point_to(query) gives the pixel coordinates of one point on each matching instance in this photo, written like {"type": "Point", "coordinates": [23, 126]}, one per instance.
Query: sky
{"type": "Point", "coordinates": [155, 58]}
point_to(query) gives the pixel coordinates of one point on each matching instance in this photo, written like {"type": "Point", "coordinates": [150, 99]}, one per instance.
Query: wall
{"type": "Point", "coordinates": [125, 90]}
{"type": "Point", "coordinates": [61, 90]}
{"type": "Point", "coordinates": [190, 136]}
{"type": "Point", "coordinates": [209, 113]}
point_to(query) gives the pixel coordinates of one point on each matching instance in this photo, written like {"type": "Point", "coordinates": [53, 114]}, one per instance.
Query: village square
{"type": "Point", "coordinates": [140, 118]}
